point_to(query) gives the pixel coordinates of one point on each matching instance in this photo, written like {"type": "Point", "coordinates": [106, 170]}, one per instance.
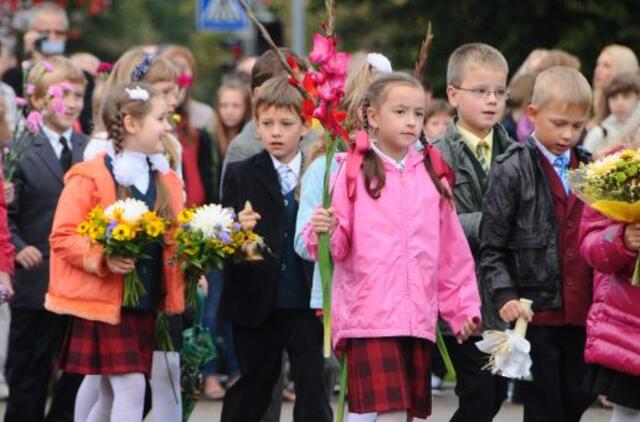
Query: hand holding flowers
{"type": "Point", "coordinates": [324, 220]}
{"type": "Point", "coordinates": [632, 236]}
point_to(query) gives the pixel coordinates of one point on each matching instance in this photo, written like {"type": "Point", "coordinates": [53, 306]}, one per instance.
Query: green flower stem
{"type": "Point", "coordinates": [635, 280]}
{"type": "Point", "coordinates": [442, 348]}
{"type": "Point", "coordinates": [343, 387]}
{"type": "Point", "coordinates": [133, 289]}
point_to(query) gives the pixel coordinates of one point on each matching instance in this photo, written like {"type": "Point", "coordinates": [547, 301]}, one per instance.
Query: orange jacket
{"type": "Point", "coordinates": [80, 283]}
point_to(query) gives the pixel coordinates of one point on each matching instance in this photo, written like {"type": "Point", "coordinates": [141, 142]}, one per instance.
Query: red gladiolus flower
{"type": "Point", "coordinates": [293, 63]}
{"type": "Point", "coordinates": [184, 80]}
{"type": "Point", "coordinates": [309, 85]}
{"type": "Point", "coordinates": [308, 107]}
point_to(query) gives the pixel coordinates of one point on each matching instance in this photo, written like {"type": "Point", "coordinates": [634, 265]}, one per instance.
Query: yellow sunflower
{"type": "Point", "coordinates": [83, 228]}
{"type": "Point", "coordinates": [121, 232]}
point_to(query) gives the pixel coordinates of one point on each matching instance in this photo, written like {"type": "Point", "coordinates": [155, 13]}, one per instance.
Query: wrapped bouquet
{"type": "Point", "coordinates": [611, 186]}
{"type": "Point", "coordinates": [124, 229]}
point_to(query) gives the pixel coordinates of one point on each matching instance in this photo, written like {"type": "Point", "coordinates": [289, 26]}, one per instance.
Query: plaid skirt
{"type": "Point", "coordinates": [389, 374]}
{"type": "Point", "coordinates": [98, 348]}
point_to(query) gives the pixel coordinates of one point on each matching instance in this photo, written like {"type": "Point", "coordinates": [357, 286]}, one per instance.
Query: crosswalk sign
{"type": "Point", "coordinates": [221, 16]}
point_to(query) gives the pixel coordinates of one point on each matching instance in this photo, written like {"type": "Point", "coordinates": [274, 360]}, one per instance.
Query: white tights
{"type": "Point", "coordinates": [166, 404]}
{"type": "Point", "coordinates": [121, 399]}
{"type": "Point", "coordinates": [624, 414]}
{"type": "Point", "coordinates": [362, 417]}
{"type": "Point", "coordinates": [86, 397]}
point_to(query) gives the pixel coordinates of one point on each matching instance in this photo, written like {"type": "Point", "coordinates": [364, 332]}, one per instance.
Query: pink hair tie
{"type": "Point", "coordinates": [355, 157]}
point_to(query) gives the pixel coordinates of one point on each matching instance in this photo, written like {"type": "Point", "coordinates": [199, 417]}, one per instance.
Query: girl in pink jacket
{"type": "Point", "coordinates": [400, 255]}
{"type": "Point", "coordinates": [613, 323]}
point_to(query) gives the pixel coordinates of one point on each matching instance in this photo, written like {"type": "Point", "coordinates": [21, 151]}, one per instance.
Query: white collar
{"type": "Point", "coordinates": [551, 157]}
{"type": "Point", "coordinates": [131, 168]}
{"type": "Point", "coordinates": [295, 165]}
{"type": "Point", "coordinates": [54, 137]}
{"type": "Point", "coordinates": [397, 164]}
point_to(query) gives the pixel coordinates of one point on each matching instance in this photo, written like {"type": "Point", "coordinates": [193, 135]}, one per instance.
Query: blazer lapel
{"type": "Point", "coordinates": [574, 163]}
{"type": "Point", "coordinates": [268, 176]}
{"type": "Point", "coordinates": [44, 150]}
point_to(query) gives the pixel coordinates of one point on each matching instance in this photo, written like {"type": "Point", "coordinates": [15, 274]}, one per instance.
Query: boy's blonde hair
{"type": "Point", "coordinates": [46, 8]}
{"type": "Point", "coordinates": [52, 71]}
{"type": "Point", "coordinates": [279, 93]}
{"type": "Point", "coordinates": [563, 84]}
{"type": "Point", "coordinates": [474, 54]}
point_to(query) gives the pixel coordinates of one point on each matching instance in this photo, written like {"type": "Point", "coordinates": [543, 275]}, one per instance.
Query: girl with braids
{"type": "Point", "coordinates": [400, 256]}
{"type": "Point", "coordinates": [106, 338]}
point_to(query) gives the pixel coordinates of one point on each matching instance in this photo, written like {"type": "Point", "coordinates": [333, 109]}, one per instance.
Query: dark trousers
{"type": "Point", "coordinates": [480, 393]}
{"type": "Point", "coordinates": [558, 369]}
{"type": "Point", "coordinates": [35, 338]}
{"type": "Point", "coordinates": [259, 351]}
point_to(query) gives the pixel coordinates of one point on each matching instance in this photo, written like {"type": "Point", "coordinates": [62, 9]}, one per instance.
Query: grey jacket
{"type": "Point", "coordinates": [471, 186]}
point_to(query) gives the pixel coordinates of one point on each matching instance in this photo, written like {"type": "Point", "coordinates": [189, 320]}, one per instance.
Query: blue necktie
{"type": "Point", "coordinates": [287, 178]}
{"type": "Point", "coordinates": [560, 165]}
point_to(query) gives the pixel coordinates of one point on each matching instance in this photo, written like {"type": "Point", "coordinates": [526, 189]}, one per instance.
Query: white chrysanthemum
{"type": "Point", "coordinates": [212, 219]}
{"type": "Point", "coordinates": [132, 209]}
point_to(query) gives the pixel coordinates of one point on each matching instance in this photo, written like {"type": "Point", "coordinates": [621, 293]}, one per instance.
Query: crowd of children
{"type": "Point", "coordinates": [460, 207]}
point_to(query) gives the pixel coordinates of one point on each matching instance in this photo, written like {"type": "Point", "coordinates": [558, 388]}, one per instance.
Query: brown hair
{"type": "Point", "coordinates": [520, 90]}
{"type": "Point", "coordinates": [223, 134]}
{"type": "Point", "coordinates": [268, 66]}
{"type": "Point", "coordinates": [558, 57]}
{"type": "Point", "coordinates": [438, 106]}
{"type": "Point", "coordinates": [622, 83]}
{"type": "Point", "coordinates": [52, 71]}
{"type": "Point", "coordinates": [279, 93]}
{"type": "Point", "coordinates": [117, 105]}
{"type": "Point", "coordinates": [373, 168]}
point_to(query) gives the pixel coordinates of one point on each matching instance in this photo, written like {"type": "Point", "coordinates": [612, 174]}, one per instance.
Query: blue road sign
{"type": "Point", "coordinates": [221, 16]}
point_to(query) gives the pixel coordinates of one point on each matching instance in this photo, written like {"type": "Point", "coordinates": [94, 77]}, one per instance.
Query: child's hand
{"type": "Point", "coordinates": [29, 257]}
{"type": "Point", "coordinates": [469, 328]}
{"type": "Point", "coordinates": [9, 192]}
{"type": "Point", "coordinates": [119, 265]}
{"type": "Point", "coordinates": [5, 280]}
{"type": "Point", "coordinates": [632, 236]}
{"type": "Point", "coordinates": [204, 285]}
{"type": "Point", "coordinates": [324, 220]}
{"type": "Point", "coordinates": [248, 218]}
{"type": "Point", "coordinates": [513, 310]}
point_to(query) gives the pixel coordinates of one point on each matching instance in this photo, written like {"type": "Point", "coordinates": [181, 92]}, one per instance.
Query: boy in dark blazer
{"type": "Point", "coordinates": [35, 335]}
{"type": "Point", "coordinates": [268, 302]}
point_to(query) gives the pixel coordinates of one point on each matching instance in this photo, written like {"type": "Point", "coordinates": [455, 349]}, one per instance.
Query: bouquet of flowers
{"type": "Point", "coordinates": [611, 186]}
{"type": "Point", "coordinates": [124, 229]}
{"type": "Point", "coordinates": [206, 237]}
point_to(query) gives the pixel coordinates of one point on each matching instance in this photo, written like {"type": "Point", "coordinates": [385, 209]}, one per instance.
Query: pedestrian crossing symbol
{"type": "Point", "coordinates": [221, 16]}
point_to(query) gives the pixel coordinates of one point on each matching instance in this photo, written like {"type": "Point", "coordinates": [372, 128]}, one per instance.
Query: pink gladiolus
{"type": "Point", "coordinates": [21, 102]}
{"type": "Point", "coordinates": [337, 64]}
{"type": "Point", "coordinates": [31, 89]}
{"type": "Point", "coordinates": [48, 67]}
{"type": "Point", "coordinates": [55, 91]}
{"type": "Point", "coordinates": [34, 122]}
{"type": "Point", "coordinates": [184, 80]}
{"type": "Point", "coordinates": [58, 106]}
{"type": "Point", "coordinates": [66, 86]}
{"type": "Point", "coordinates": [323, 49]}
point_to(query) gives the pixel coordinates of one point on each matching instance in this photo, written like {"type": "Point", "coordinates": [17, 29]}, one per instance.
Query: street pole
{"type": "Point", "coordinates": [298, 32]}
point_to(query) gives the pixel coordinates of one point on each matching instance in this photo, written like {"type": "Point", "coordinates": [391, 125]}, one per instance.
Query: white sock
{"type": "Point", "coordinates": [624, 414]}
{"type": "Point", "coordinates": [101, 410]}
{"type": "Point", "coordinates": [397, 416]}
{"type": "Point", "coordinates": [128, 397]}
{"type": "Point", "coordinates": [164, 388]}
{"type": "Point", "coordinates": [87, 397]}
{"type": "Point", "coordinates": [362, 417]}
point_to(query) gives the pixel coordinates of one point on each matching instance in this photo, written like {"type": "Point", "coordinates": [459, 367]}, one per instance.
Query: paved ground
{"type": "Point", "coordinates": [443, 406]}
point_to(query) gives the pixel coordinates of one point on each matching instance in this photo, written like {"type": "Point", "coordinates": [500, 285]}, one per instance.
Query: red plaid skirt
{"type": "Point", "coordinates": [98, 348]}
{"type": "Point", "coordinates": [389, 374]}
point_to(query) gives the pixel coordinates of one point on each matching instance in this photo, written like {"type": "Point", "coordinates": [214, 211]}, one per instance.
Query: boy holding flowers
{"type": "Point", "coordinates": [530, 245]}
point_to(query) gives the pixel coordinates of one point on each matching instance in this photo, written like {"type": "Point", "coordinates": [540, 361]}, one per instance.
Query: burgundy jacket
{"type": "Point", "coordinates": [613, 324]}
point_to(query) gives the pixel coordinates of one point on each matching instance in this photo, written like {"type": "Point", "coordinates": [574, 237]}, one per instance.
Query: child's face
{"type": "Point", "coordinates": [558, 125]}
{"type": "Point", "coordinates": [436, 126]}
{"type": "Point", "coordinates": [231, 107]}
{"type": "Point", "coordinates": [169, 91]}
{"type": "Point", "coordinates": [73, 101]}
{"type": "Point", "coordinates": [398, 121]}
{"type": "Point", "coordinates": [480, 99]}
{"type": "Point", "coordinates": [280, 130]}
{"type": "Point", "coordinates": [147, 135]}
{"type": "Point", "coordinates": [622, 104]}
{"type": "Point", "coordinates": [604, 70]}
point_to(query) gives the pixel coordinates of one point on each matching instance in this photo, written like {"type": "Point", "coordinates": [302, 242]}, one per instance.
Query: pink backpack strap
{"type": "Point", "coordinates": [355, 158]}
{"type": "Point", "coordinates": [440, 166]}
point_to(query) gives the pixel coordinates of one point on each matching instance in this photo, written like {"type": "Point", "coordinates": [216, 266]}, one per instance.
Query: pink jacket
{"type": "Point", "coordinates": [613, 323]}
{"type": "Point", "coordinates": [399, 259]}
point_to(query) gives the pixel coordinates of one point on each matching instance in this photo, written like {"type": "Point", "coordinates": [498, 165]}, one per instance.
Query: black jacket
{"type": "Point", "coordinates": [519, 233]}
{"type": "Point", "coordinates": [249, 291]}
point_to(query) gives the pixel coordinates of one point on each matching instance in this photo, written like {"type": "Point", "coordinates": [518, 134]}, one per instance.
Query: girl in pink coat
{"type": "Point", "coordinates": [400, 255]}
{"type": "Point", "coordinates": [613, 323]}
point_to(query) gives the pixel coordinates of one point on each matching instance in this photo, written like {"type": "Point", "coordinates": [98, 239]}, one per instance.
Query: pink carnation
{"type": "Point", "coordinates": [34, 122]}
{"type": "Point", "coordinates": [184, 80]}
{"type": "Point", "coordinates": [21, 102]}
{"type": "Point", "coordinates": [58, 106]}
{"type": "Point", "coordinates": [66, 86]}
{"type": "Point", "coordinates": [48, 67]}
{"type": "Point", "coordinates": [31, 89]}
{"type": "Point", "coordinates": [55, 91]}
{"type": "Point", "coordinates": [323, 49]}
{"type": "Point", "coordinates": [104, 67]}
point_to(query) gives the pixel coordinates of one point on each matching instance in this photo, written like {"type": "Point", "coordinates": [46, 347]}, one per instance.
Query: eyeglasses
{"type": "Point", "coordinates": [56, 32]}
{"type": "Point", "coordinates": [485, 93]}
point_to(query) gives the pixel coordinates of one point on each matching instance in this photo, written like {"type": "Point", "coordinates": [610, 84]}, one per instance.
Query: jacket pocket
{"type": "Point", "coordinates": [530, 251]}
